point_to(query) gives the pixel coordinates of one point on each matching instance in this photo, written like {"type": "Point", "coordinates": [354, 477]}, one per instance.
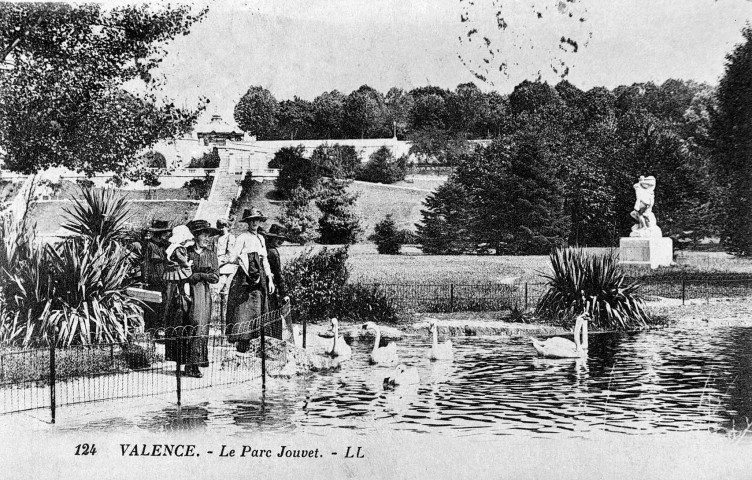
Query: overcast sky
{"type": "Point", "coordinates": [306, 47]}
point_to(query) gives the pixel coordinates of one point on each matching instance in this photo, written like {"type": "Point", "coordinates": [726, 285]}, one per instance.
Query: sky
{"type": "Point", "coordinates": [307, 47]}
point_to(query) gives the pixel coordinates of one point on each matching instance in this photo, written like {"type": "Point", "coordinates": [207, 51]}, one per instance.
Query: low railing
{"type": "Point", "coordinates": [147, 365]}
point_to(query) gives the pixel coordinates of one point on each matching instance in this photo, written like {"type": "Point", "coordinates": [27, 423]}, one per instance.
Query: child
{"type": "Point", "coordinates": [178, 268]}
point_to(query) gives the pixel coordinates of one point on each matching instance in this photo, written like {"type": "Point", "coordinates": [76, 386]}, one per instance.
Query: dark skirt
{"type": "Point", "coordinates": [245, 306]}
{"type": "Point", "coordinates": [186, 341]}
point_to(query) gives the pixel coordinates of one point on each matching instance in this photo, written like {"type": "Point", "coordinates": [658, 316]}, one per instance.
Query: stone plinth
{"type": "Point", "coordinates": [653, 252]}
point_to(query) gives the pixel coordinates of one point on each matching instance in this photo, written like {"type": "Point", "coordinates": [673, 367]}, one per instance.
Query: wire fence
{"type": "Point", "coordinates": [163, 361]}
{"type": "Point", "coordinates": [459, 297]}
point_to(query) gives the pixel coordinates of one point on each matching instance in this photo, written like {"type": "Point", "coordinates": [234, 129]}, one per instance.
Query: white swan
{"type": "Point", "coordinates": [386, 354]}
{"type": "Point", "coordinates": [340, 348]}
{"type": "Point", "coordinates": [439, 351]}
{"type": "Point", "coordinates": [402, 375]}
{"type": "Point", "coordinates": [558, 347]}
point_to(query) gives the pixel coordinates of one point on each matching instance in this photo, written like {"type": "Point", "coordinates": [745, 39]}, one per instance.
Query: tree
{"type": "Point", "coordinates": [439, 145]}
{"type": "Point", "coordinates": [295, 118]}
{"type": "Point", "coordinates": [257, 111]}
{"type": "Point", "coordinates": [732, 145]}
{"type": "Point", "coordinates": [199, 188]}
{"type": "Point", "coordinates": [328, 114]}
{"type": "Point", "coordinates": [338, 161]}
{"type": "Point", "coordinates": [339, 222]}
{"type": "Point", "coordinates": [62, 101]}
{"type": "Point", "coordinates": [398, 104]}
{"type": "Point", "coordinates": [532, 96]}
{"type": "Point", "coordinates": [446, 219]}
{"type": "Point", "coordinates": [429, 112]}
{"type": "Point", "coordinates": [387, 237]}
{"type": "Point", "coordinates": [364, 113]}
{"type": "Point", "coordinates": [286, 155]}
{"type": "Point", "coordinates": [382, 167]}
{"type": "Point", "coordinates": [296, 171]}
{"type": "Point", "coordinates": [207, 160]}
{"type": "Point", "coordinates": [299, 216]}
{"type": "Point", "coordinates": [466, 110]}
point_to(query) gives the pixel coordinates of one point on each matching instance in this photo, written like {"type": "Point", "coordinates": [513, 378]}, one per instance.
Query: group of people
{"type": "Point", "coordinates": [189, 264]}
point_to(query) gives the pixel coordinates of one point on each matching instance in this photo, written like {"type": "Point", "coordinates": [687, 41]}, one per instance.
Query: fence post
{"type": "Point", "coordinates": [178, 347]}
{"type": "Point", "coordinates": [684, 289]}
{"type": "Point", "coordinates": [305, 324]}
{"type": "Point", "coordinates": [525, 295]}
{"type": "Point", "coordinates": [451, 297]}
{"type": "Point", "coordinates": [707, 292]}
{"type": "Point", "coordinates": [52, 373]}
{"type": "Point", "coordinates": [263, 357]}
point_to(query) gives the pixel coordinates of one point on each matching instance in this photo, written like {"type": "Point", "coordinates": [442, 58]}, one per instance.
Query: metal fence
{"type": "Point", "coordinates": [458, 297]}
{"type": "Point", "coordinates": [149, 364]}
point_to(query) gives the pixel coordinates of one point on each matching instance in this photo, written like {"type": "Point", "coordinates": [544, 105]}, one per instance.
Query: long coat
{"type": "Point", "coordinates": [152, 269]}
{"type": "Point", "coordinates": [191, 318]}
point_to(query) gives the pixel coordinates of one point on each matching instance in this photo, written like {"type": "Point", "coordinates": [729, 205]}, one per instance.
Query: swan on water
{"type": "Point", "coordinates": [440, 351]}
{"type": "Point", "coordinates": [402, 375]}
{"type": "Point", "coordinates": [386, 354]}
{"type": "Point", "coordinates": [340, 348]}
{"type": "Point", "coordinates": [558, 347]}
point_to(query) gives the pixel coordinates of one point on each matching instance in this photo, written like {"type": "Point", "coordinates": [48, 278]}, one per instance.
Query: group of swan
{"type": "Point", "coordinates": [402, 374]}
{"type": "Point", "coordinates": [558, 347]}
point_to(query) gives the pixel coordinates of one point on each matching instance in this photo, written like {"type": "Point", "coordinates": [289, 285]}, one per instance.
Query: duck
{"type": "Point", "coordinates": [558, 347]}
{"type": "Point", "coordinates": [402, 375]}
{"type": "Point", "coordinates": [439, 351]}
{"type": "Point", "coordinates": [340, 348]}
{"type": "Point", "coordinates": [386, 354]}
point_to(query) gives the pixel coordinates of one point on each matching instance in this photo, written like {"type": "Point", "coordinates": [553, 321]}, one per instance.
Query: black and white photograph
{"type": "Point", "coordinates": [409, 239]}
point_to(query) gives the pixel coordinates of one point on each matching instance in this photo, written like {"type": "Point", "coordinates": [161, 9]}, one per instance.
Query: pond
{"type": "Point", "coordinates": [697, 379]}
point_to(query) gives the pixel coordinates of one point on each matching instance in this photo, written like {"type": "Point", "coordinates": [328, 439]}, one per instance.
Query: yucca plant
{"type": "Point", "coordinates": [101, 213]}
{"type": "Point", "coordinates": [582, 281]}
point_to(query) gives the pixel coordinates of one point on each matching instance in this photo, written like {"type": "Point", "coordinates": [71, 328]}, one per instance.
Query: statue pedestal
{"type": "Point", "coordinates": [653, 252]}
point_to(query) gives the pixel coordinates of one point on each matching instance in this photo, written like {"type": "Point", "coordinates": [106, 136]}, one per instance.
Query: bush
{"type": "Point", "coordinates": [316, 281]}
{"type": "Point", "coordinates": [365, 303]}
{"type": "Point", "coordinates": [382, 167]}
{"type": "Point", "coordinates": [199, 188]}
{"type": "Point", "coordinates": [338, 161]}
{"type": "Point", "coordinates": [295, 171]}
{"type": "Point", "coordinates": [387, 236]}
{"type": "Point", "coordinates": [300, 217]}
{"type": "Point", "coordinates": [587, 282]}
{"type": "Point", "coordinates": [207, 160]}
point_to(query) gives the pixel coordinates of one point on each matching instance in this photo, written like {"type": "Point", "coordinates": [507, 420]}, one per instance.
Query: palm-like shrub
{"type": "Point", "coordinates": [587, 282]}
{"type": "Point", "coordinates": [101, 213]}
{"type": "Point", "coordinates": [76, 288]}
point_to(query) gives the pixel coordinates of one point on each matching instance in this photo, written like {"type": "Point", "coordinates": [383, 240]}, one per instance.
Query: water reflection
{"type": "Point", "coordinates": [638, 383]}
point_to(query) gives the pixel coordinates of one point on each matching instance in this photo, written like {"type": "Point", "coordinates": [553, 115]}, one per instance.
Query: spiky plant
{"type": "Point", "coordinates": [101, 213]}
{"type": "Point", "coordinates": [582, 281]}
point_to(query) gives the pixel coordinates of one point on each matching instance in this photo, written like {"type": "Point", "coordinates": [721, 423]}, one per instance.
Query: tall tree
{"type": "Point", "coordinates": [446, 219]}
{"type": "Point", "coordinates": [257, 111]}
{"type": "Point", "coordinates": [61, 96]}
{"type": "Point", "coordinates": [364, 113]}
{"type": "Point", "coordinates": [339, 222]}
{"type": "Point", "coordinates": [295, 118]}
{"type": "Point", "coordinates": [732, 153]}
{"type": "Point", "coordinates": [328, 114]}
{"type": "Point", "coordinates": [398, 104]}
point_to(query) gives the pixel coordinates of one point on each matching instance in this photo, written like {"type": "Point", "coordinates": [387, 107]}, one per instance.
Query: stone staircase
{"type": "Point", "coordinates": [224, 189]}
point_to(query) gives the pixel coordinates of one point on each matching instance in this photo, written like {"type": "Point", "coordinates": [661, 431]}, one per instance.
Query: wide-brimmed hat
{"type": "Point", "coordinates": [276, 231]}
{"type": "Point", "coordinates": [159, 226]}
{"type": "Point", "coordinates": [197, 226]}
{"type": "Point", "coordinates": [253, 214]}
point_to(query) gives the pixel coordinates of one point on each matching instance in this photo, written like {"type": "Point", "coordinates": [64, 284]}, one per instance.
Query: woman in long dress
{"type": "Point", "coordinates": [248, 298]}
{"type": "Point", "coordinates": [189, 345]}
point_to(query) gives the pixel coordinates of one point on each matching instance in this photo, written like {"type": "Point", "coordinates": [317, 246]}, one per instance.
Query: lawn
{"type": "Point", "coordinates": [70, 189]}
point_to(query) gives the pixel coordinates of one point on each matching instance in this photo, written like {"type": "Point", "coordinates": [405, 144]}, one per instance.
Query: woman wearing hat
{"type": "Point", "coordinates": [248, 296]}
{"type": "Point", "coordinates": [152, 269]}
{"type": "Point", "coordinates": [192, 349]}
{"type": "Point", "coordinates": [274, 238]}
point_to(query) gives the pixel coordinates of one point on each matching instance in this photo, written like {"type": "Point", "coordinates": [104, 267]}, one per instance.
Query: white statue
{"type": "Point", "coordinates": [643, 209]}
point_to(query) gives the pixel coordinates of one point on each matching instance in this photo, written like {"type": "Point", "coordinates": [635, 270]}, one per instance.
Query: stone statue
{"type": "Point", "coordinates": [643, 209]}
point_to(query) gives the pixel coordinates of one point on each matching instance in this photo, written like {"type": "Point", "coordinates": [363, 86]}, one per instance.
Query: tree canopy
{"type": "Point", "coordinates": [63, 100]}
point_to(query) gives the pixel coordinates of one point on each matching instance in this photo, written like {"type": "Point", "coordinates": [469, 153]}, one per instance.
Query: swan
{"type": "Point", "coordinates": [386, 354]}
{"type": "Point", "coordinates": [402, 375]}
{"type": "Point", "coordinates": [439, 351]}
{"type": "Point", "coordinates": [340, 348]}
{"type": "Point", "coordinates": [558, 347]}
